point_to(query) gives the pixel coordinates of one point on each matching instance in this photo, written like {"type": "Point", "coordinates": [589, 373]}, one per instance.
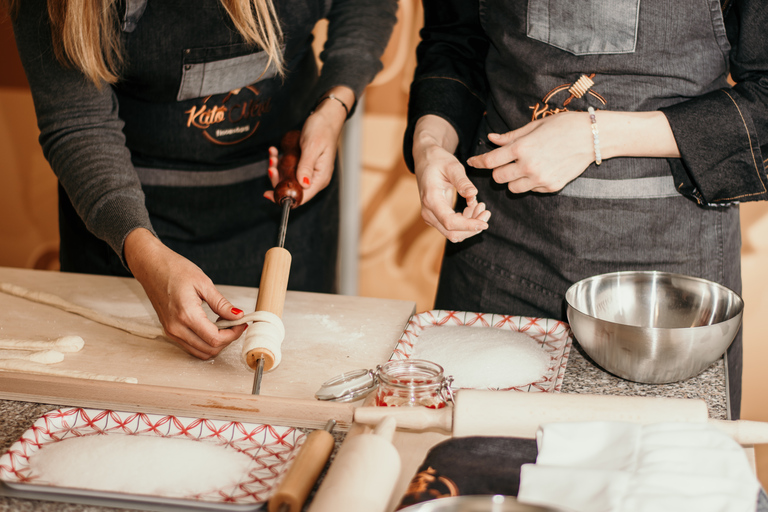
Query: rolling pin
{"type": "Point", "coordinates": [363, 474]}
{"type": "Point", "coordinates": [261, 345]}
{"type": "Point", "coordinates": [304, 471]}
{"type": "Point", "coordinates": [514, 414]}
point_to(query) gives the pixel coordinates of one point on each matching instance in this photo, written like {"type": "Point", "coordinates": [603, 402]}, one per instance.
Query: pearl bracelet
{"type": "Point", "coordinates": [595, 136]}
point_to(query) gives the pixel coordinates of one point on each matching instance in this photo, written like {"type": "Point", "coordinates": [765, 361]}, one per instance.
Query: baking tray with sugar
{"type": "Point", "coordinates": [267, 451]}
{"type": "Point", "coordinates": [553, 336]}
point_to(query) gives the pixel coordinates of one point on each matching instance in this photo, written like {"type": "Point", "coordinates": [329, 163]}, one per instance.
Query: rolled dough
{"type": "Point", "coordinates": [16, 365]}
{"type": "Point", "coordinates": [63, 344]}
{"type": "Point", "coordinates": [124, 324]}
{"type": "Point", "coordinates": [42, 357]}
{"type": "Point", "coordinates": [267, 332]}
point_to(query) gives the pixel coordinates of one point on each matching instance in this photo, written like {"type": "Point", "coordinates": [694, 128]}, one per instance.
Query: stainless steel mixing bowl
{"type": "Point", "coordinates": [653, 327]}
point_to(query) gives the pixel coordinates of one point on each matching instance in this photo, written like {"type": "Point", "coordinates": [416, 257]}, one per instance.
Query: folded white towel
{"type": "Point", "coordinates": [625, 467]}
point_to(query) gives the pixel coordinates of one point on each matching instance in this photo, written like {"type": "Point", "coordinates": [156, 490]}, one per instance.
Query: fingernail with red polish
{"type": "Point", "coordinates": [305, 180]}
{"type": "Point", "coordinates": [271, 173]}
{"type": "Point", "coordinates": [236, 311]}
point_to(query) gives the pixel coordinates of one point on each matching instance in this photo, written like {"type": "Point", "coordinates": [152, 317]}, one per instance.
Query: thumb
{"type": "Point", "coordinates": [458, 178]}
{"type": "Point", "coordinates": [306, 169]}
{"type": "Point", "coordinates": [220, 305]}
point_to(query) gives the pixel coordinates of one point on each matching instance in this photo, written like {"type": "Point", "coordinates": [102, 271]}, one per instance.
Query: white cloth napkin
{"type": "Point", "coordinates": [626, 467]}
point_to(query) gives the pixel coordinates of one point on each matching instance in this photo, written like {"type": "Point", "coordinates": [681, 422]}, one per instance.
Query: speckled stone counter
{"type": "Point", "coordinates": [581, 376]}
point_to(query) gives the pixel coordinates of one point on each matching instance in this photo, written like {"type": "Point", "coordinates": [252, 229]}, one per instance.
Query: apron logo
{"type": "Point", "coordinates": [576, 89]}
{"type": "Point", "coordinates": [232, 121]}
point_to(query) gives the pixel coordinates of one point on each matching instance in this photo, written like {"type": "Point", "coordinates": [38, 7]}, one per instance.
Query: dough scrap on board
{"type": "Point", "coordinates": [63, 344]}
{"type": "Point", "coordinates": [17, 365]}
{"type": "Point", "coordinates": [42, 357]}
{"type": "Point", "coordinates": [124, 324]}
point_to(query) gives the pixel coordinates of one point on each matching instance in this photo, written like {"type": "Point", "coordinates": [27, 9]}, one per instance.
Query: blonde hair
{"type": "Point", "coordinates": [86, 33]}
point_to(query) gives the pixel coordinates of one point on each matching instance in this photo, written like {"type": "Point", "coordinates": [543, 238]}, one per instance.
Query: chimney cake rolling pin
{"type": "Point", "coordinates": [305, 469]}
{"type": "Point", "coordinates": [517, 414]}
{"type": "Point", "coordinates": [363, 474]}
{"type": "Point", "coordinates": [261, 345]}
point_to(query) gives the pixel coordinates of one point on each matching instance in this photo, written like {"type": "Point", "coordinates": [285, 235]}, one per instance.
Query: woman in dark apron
{"type": "Point", "coordinates": [162, 159]}
{"type": "Point", "coordinates": [518, 85]}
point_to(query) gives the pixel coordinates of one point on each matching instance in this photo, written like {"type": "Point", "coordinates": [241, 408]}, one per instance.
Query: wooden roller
{"type": "Point", "coordinates": [514, 414]}
{"type": "Point", "coordinates": [304, 471]}
{"type": "Point", "coordinates": [363, 474]}
{"type": "Point", "coordinates": [271, 298]}
{"type": "Point", "coordinates": [277, 262]}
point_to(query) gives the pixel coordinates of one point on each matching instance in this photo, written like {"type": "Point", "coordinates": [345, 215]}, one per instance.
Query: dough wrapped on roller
{"type": "Point", "coordinates": [264, 337]}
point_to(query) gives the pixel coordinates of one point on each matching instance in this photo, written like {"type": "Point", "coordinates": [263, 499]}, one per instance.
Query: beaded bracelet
{"type": "Point", "coordinates": [331, 97]}
{"type": "Point", "coordinates": [595, 137]}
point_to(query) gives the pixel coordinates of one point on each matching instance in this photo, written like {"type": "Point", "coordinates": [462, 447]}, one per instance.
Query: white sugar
{"type": "Point", "coordinates": [136, 464]}
{"type": "Point", "coordinates": [483, 357]}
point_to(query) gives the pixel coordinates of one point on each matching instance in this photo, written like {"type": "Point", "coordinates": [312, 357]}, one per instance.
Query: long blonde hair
{"type": "Point", "coordinates": [86, 33]}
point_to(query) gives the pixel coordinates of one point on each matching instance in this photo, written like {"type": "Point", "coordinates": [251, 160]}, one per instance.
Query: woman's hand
{"type": "Point", "coordinates": [439, 176]}
{"type": "Point", "coordinates": [542, 156]}
{"type": "Point", "coordinates": [176, 287]}
{"type": "Point", "coordinates": [319, 142]}
{"type": "Point", "coordinates": [546, 154]}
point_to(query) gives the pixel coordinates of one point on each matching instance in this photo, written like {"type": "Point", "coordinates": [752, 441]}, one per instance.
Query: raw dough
{"type": "Point", "coordinates": [42, 357]}
{"type": "Point", "coordinates": [63, 344]}
{"type": "Point", "coordinates": [267, 332]}
{"type": "Point", "coordinates": [17, 365]}
{"type": "Point", "coordinates": [140, 464]}
{"type": "Point", "coordinates": [130, 326]}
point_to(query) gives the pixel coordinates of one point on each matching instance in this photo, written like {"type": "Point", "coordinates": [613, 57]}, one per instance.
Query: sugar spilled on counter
{"type": "Point", "coordinates": [483, 357]}
{"type": "Point", "coordinates": [135, 464]}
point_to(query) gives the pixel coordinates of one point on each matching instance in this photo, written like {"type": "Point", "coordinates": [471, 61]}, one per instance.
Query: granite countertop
{"type": "Point", "coordinates": [581, 376]}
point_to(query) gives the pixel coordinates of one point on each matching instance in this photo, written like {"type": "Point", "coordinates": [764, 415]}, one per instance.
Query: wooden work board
{"type": "Point", "coordinates": [326, 335]}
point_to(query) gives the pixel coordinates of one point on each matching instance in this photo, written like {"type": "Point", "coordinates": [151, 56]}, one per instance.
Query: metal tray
{"type": "Point", "coordinates": [272, 449]}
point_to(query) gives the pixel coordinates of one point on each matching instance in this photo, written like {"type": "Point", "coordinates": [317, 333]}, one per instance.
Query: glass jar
{"type": "Point", "coordinates": [412, 382]}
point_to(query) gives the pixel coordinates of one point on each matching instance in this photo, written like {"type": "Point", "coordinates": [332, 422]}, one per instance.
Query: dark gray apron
{"type": "Point", "coordinates": [204, 192]}
{"type": "Point", "coordinates": [624, 214]}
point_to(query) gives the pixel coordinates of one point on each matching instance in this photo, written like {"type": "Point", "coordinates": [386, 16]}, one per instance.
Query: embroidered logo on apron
{"type": "Point", "coordinates": [231, 121]}
{"type": "Point", "coordinates": [576, 89]}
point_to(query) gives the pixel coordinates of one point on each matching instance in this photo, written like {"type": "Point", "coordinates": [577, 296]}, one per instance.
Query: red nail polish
{"type": "Point", "coordinates": [271, 173]}
{"type": "Point", "coordinates": [236, 311]}
{"type": "Point", "coordinates": [305, 180]}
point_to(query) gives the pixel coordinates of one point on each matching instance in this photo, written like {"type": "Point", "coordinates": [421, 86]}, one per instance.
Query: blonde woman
{"type": "Point", "coordinates": [158, 118]}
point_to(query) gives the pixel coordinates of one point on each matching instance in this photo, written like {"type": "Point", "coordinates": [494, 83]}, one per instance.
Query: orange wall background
{"type": "Point", "coordinates": [399, 254]}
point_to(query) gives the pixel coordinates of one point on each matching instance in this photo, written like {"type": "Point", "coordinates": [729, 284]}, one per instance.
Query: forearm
{"type": "Point", "coordinates": [431, 131]}
{"type": "Point", "coordinates": [635, 134]}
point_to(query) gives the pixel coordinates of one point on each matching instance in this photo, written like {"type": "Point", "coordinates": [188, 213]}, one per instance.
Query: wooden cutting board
{"type": "Point", "coordinates": [326, 335]}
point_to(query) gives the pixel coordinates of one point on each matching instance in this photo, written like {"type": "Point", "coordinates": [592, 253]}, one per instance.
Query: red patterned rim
{"type": "Point", "coordinates": [554, 336]}
{"type": "Point", "coordinates": [271, 448]}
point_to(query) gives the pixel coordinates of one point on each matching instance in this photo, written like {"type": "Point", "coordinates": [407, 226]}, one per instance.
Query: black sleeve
{"type": "Point", "coordinates": [723, 135]}
{"type": "Point", "coordinates": [450, 77]}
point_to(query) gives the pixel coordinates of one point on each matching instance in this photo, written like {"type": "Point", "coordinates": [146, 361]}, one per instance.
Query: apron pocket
{"type": "Point", "coordinates": [204, 71]}
{"type": "Point", "coordinates": [584, 28]}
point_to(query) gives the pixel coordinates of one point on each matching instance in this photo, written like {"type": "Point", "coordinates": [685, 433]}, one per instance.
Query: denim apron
{"type": "Point", "coordinates": [624, 214]}
{"type": "Point", "coordinates": [198, 125]}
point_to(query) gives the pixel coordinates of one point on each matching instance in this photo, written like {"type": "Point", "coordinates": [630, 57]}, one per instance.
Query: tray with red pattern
{"type": "Point", "coordinates": [271, 449]}
{"type": "Point", "coordinates": [554, 336]}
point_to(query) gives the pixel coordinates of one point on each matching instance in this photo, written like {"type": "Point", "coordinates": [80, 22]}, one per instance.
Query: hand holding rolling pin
{"type": "Point", "coordinates": [318, 142]}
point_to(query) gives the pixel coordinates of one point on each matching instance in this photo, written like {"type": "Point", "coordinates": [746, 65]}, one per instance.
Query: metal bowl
{"type": "Point", "coordinates": [483, 503]}
{"type": "Point", "coordinates": [653, 327]}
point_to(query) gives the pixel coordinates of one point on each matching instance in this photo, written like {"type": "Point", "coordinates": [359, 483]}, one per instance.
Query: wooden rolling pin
{"type": "Point", "coordinates": [261, 345]}
{"type": "Point", "coordinates": [514, 414]}
{"type": "Point", "coordinates": [304, 471]}
{"type": "Point", "coordinates": [363, 474]}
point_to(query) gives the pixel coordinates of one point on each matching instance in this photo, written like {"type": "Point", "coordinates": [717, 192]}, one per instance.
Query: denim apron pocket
{"type": "Point", "coordinates": [585, 28]}
{"type": "Point", "coordinates": [207, 71]}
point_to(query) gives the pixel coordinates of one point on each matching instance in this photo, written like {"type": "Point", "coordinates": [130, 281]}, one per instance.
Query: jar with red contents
{"type": "Point", "coordinates": [413, 382]}
{"type": "Point", "coordinates": [407, 382]}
